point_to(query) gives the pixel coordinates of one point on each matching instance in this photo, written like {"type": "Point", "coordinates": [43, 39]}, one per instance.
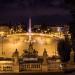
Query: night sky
{"type": "Point", "coordinates": [41, 11]}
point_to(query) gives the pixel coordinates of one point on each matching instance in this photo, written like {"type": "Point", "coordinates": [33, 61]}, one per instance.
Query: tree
{"type": "Point", "coordinates": [71, 6]}
{"type": "Point", "coordinates": [64, 48]}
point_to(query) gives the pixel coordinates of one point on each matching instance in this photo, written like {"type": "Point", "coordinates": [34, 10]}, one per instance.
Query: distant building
{"type": "Point", "coordinates": [4, 30]}
{"type": "Point", "coordinates": [60, 28]}
{"type": "Point", "coordinates": [36, 26]}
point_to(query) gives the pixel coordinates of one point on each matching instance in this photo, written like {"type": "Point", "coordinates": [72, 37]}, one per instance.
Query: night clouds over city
{"type": "Point", "coordinates": [49, 11]}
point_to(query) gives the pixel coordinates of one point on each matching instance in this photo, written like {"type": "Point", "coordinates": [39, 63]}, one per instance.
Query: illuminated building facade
{"type": "Point", "coordinates": [29, 61]}
{"type": "Point", "coordinates": [6, 65]}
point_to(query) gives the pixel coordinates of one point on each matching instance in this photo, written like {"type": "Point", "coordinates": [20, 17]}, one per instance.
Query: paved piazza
{"type": "Point", "coordinates": [21, 40]}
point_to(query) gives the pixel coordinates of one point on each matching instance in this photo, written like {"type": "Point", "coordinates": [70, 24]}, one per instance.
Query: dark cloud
{"type": "Point", "coordinates": [15, 9]}
{"type": "Point", "coordinates": [54, 19]}
{"type": "Point", "coordinates": [31, 3]}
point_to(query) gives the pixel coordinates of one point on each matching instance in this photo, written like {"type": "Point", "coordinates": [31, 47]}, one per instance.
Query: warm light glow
{"type": "Point", "coordinates": [40, 41]}
{"type": "Point", "coordinates": [2, 62]}
{"type": "Point", "coordinates": [2, 33]}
